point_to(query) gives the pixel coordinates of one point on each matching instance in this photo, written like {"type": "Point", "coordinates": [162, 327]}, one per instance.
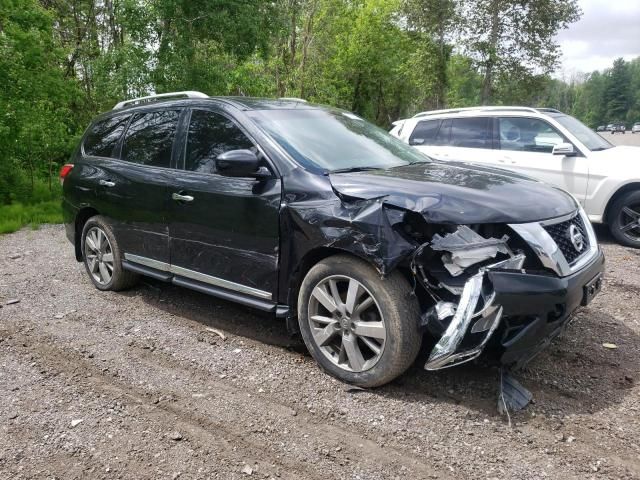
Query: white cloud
{"type": "Point", "coordinates": [607, 30]}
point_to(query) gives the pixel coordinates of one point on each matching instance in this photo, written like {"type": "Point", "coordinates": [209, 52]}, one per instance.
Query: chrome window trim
{"type": "Point", "coordinates": [201, 277]}
{"type": "Point", "coordinates": [546, 248]}
{"type": "Point", "coordinates": [564, 218]}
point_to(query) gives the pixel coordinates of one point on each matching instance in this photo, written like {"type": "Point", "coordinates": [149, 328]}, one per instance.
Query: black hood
{"type": "Point", "coordinates": [458, 193]}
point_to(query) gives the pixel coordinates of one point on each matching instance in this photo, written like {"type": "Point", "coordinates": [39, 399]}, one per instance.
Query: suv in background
{"type": "Point", "coordinates": [311, 213]}
{"type": "Point", "coordinates": [635, 128]}
{"type": "Point", "coordinates": [545, 144]}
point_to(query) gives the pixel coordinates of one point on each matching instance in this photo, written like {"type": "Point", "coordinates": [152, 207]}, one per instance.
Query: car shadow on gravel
{"type": "Point", "coordinates": [217, 313]}
{"type": "Point", "coordinates": [576, 374]}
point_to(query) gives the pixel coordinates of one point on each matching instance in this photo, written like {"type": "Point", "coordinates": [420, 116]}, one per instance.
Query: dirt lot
{"type": "Point", "coordinates": [133, 385]}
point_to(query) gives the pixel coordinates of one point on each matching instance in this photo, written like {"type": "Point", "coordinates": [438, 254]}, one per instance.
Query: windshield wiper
{"type": "Point", "coordinates": [354, 169]}
{"type": "Point", "coordinates": [599, 149]}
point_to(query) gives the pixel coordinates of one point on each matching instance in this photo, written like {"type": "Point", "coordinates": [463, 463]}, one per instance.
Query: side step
{"type": "Point", "coordinates": [264, 305]}
{"type": "Point", "coordinates": [148, 271]}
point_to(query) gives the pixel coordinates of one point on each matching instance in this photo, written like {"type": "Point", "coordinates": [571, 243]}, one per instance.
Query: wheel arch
{"type": "Point", "coordinates": [629, 187]}
{"type": "Point", "coordinates": [82, 216]}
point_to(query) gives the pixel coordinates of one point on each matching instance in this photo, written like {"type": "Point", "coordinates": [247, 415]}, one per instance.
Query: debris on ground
{"type": "Point", "coordinates": [217, 332]}
{"type": "Point", "coordinates": [512, 395]}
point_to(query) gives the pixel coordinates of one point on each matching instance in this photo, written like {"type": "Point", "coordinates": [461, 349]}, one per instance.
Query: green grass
{"type": "Point", "coordinates": [30, 205]}
{"type": "Point", "coordinates": [15, 216]}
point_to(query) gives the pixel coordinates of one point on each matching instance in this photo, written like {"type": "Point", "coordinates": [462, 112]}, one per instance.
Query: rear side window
{"type": "Point", "coordinates": [149, 138]}
{"type": "Point", "coordinates": [471, 132]}
{"type": "Point", "coordinates": [424, 133]}
{"type": "Point", "coordinates": [103, 136]}
{"type": "Point", "coordinates": [211, 134]}
{"type": "Point", "coordinates": [444, 132]}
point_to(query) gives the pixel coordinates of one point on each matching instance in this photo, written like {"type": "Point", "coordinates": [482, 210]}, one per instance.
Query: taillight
{"type": "Point", "coordinates": [64, 171]}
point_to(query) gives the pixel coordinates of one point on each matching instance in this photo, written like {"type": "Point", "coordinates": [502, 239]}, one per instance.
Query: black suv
{"type": "Point", "coordinates": [311, 213]}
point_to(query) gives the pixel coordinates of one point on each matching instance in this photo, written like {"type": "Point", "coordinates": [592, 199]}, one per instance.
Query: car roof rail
{"type": "Point", "coordinates": [159, 97]}
{"type": "Point", "coordinates": [293, 99]}
{"type": "Point", "coordinates": [484, 109]}
{"type": "Point", "coordinates": [549, 110]}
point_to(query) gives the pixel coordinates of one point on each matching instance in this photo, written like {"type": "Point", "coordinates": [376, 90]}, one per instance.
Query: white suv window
{"type": "Point", "coordinates": [424, 133]}
{"type": "Point", "coordinates": [527, 135]}
{"type": "Point", "coordinates": [473, 132]}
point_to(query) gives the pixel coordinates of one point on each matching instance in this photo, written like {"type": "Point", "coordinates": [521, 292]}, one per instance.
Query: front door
{"type": "Point", "coordinates": [223, 230]}
{"type": "Point", "coordinates": [525, 146]}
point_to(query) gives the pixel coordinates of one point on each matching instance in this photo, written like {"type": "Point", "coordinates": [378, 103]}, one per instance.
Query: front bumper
{"type": "Point", "coordinates": [520, 314]}
{"type": "Point", "coordinates": [537, 308]}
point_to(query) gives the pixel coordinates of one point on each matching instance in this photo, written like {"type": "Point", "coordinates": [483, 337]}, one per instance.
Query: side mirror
{"type": "Point", "coordinates": [239, 163]}
{"type": "Point", "coordinates": [564, 149]}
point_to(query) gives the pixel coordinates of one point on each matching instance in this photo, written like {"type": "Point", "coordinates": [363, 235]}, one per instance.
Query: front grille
{"type": "Point", "coordinates": [560, 232]}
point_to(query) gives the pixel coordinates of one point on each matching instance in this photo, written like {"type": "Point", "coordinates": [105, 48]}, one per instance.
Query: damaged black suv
{"type": "Point", "coordinates": [358, 240]}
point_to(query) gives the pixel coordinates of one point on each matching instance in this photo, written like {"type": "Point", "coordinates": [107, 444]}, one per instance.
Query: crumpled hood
{"type": "Point", "coordinates": [460, 193]}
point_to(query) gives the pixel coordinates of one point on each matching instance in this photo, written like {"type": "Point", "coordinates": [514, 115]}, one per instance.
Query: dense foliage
{"type": "Point", "coordinates": [63, 61]}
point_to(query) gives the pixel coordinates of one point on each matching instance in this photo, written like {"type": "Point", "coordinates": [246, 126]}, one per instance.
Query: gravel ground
{"type": "Point", "coordinates": [627, 139]}
{"type": "Point", "coordinates": [137, 385]}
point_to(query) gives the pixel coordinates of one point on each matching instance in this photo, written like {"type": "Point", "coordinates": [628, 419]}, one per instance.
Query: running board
{"type": "Point", "coordinates": [148, 271]}
{"type": "Point", "coordinates": [264, 305]}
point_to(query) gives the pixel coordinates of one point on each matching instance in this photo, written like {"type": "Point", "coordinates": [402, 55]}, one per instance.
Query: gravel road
{"type": "Point", "coordinates": [628, 138]}
{"type": "Point", "coordinates": [139, 385]}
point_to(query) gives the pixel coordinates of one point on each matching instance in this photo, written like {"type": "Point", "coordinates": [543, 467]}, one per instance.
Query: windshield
{"type": "Point", "coordinates": [334, 140]}
{"type": "Point", "coordinates": [588, 137]}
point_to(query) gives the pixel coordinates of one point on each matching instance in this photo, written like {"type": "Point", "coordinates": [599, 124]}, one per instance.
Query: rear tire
{"type": "Point", "coordinates": [624, 219]}
{"type": "Point", "coordinates": [102, 257]}
{"type": "Point", "coordinates": [348, 341]}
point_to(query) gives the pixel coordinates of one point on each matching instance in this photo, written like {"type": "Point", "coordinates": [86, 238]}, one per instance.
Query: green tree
{"type": "Point", "coordinates": [617, 96]}
{"type": "Point", "coordinates": [514, 39]}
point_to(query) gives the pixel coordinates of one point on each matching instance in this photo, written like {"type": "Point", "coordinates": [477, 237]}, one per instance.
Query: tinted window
{"type": "Point", "coordinates": [149, 138]}
{"type": "Point", "coordinates": [211, 134]}
{"type": "Point", "coordinates": [103, 136]}
{"type": "Point", "coordinates": [424, 133]}
{"type": "Point", "coordinates": [470, 133]}
{"type": "Point", "coordinates": [527, 135]}
{"type": "Point", "coordinates": [442, 137]}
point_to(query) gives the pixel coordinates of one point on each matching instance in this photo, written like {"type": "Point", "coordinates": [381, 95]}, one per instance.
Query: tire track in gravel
{"type": "Point", "coordinates": [356, 449]}
{"type": "Point", "coordinates": [200, 428]}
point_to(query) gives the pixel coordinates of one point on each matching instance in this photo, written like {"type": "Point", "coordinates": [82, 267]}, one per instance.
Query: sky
{"type": "Point", "coordinates": [608, 29]}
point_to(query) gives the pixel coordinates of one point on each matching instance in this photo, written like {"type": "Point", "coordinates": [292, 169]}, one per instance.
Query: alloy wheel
{"type": "Point", "coordinates": [630, 222]}
{"type": "Point", "coordinates": [99, 255]}
{"type": "Point", "coordinates": [346, 323]}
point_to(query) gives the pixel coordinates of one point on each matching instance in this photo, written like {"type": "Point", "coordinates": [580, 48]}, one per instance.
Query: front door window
{"type": "Point", "coordinates": [523, 134]}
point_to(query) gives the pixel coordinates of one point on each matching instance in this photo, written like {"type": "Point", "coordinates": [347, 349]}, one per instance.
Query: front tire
{"type": "Point", "coordinates": [624, 222]}
{"type": "Point", "coordinates": [102, 257]}
{"type": "Point", "coordinates": [360, 328]}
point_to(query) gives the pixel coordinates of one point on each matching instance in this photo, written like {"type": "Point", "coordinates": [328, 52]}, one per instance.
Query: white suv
{"type": "Point", "coordinates": [542, 143]}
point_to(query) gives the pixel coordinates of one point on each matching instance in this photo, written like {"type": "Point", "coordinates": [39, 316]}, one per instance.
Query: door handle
{"type": "Point", "coordinates": [181, 198]}
{"type": "Point", "coordinates": [107, 183]}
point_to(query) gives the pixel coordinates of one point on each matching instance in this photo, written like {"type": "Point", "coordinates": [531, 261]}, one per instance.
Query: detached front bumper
{"type": "Point", "coordinates": [520, 313]}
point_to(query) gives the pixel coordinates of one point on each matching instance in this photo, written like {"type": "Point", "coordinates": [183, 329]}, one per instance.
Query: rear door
{"type": "Point", "coordinates": [526, 144]}
{"type": "Point", "coordinates": [132, 190]}
{"type": "Point", "coordinates": [471, 140]}
{"type": "Point", "coordinates": [227, 232]}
